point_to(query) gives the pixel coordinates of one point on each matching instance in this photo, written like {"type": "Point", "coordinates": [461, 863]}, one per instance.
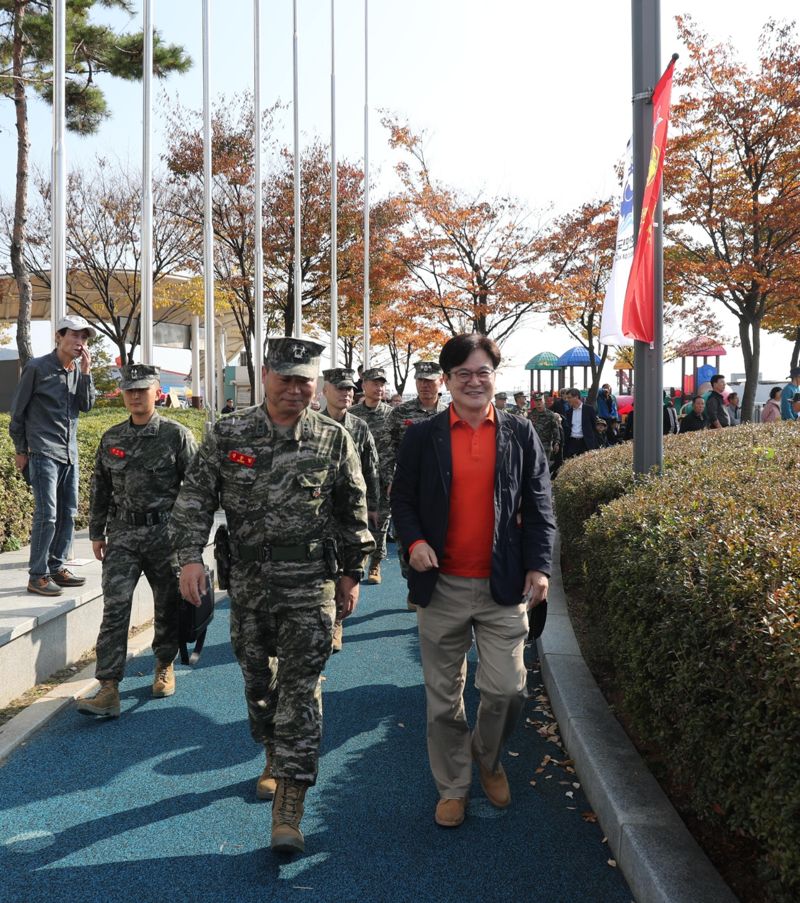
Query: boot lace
{"type": "Point", "coordinates": [290, 802]}
{"type": "Point", "coordinates": [161, 674]}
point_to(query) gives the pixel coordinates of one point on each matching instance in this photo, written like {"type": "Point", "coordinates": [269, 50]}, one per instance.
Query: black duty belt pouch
{"type": "Point", "coordinates": [193, 622]}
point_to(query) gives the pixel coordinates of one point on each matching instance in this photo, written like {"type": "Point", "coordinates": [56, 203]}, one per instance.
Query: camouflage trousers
{"type": "Point", "coordinates": [142, 550]}
{"type": "Point", "coordinates": [282, 648]}
{"type": "Point", "coordinates": [379, 535]}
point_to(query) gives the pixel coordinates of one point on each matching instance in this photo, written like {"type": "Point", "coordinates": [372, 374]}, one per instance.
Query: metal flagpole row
{"type": "Point", "coordinates": [334, 201]}
{"type": "Point", "coordinates": [258, 300]}
{"type": "Point", "coordinates": [146, 276]}
{"type": "Point", "coordinates": [365, 360]}
{"type": "Point", "coordinates": [298, 278]}
{"type": "Point", "coordinates": [58, 174]}
{"type": "Point", "coordinates": [208, 228]}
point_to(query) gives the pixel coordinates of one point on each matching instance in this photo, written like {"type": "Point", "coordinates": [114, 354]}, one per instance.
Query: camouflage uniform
{"type": "Point", "coordinates": [287, 493]}
{"type": "Point", "coordinates": [136, 479]}
{"type": "Point", "coordinates": [376, 418]}
{"type": "Point", "coordinates": [398, 421]}
{"type": "Point", "coordinates": [548, 427]}
{"type": "Point", "coordinates": [520, 411]}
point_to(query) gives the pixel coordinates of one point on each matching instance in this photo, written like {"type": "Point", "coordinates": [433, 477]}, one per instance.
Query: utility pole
{"type": "Point", "coordinates": [648, 433]}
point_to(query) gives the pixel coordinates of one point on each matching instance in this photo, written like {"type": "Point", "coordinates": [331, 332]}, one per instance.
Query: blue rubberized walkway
{"type": "Point", "coordinates": [160, 806]}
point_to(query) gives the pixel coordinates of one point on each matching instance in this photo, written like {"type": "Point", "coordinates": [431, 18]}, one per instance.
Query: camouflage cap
{"type": "Point", "coordinates": [341, 377]}
{"type": "Point", "coordinates": [427, 370]}
{"type": "Point", "coordinates": [291, 356]}
{"type": "Point", "coordinates": [500, 396]}
{"type": "Point", "coordinates": [138, 376]}
{"type": "Point", "coordinates": [376, 374]}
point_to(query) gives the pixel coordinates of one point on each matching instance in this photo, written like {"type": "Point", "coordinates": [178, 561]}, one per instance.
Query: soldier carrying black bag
{"type": "Point", "coordinates": [139, 468]}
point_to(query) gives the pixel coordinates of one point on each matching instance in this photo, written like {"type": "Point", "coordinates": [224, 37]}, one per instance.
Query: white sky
{"type": "Point", "coordinates": [524, 97]}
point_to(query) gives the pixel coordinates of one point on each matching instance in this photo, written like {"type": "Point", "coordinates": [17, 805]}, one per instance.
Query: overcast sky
{"type": "Point", "coordinates": [518, 97]}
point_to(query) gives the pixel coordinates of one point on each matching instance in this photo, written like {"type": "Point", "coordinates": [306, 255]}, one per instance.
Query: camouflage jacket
{"type": "Point", "coordinates": [276, 490]}
{"type": "Point", "coordinates": [367, 454]}
{"type": "Point", "coordinates": [516, 409]}
{"type": "Point", "coordinates": [548, 426]}
{"type": "Point", "coordinates": [137, 469]}
{"type": "Point", "coordinates": [398, 421]}
{"type": "Point", "coordinates": [375, 418]}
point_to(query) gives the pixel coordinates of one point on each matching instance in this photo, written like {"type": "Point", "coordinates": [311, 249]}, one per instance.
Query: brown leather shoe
{"type": "Point", "coordinates": [450, 813]}
{"type": "Point", "coordinates": [374, 576]}
{"type": "Point", "coordinates": [163, 680]}
{"type": "Point", "coordinates": [44, 586]}
{"type": "Point", "coordinates": [495, 785]}
{"type": "Point", "coordinates": [64, 577]}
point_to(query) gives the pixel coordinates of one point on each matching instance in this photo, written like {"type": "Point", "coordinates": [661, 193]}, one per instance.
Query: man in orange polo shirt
{"type": "Point", "coordinates": [471, 502]}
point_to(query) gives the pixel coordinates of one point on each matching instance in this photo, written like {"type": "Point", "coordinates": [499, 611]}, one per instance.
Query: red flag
{"type": "Point", "coordinates": [637, 312]}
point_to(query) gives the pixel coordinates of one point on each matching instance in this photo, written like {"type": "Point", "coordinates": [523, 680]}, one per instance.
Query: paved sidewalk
{"type": "Point", "coordinates": [160, 805]}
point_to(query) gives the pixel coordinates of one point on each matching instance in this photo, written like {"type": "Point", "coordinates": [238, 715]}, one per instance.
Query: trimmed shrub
{"type": "Point", "coordinates": [692, 581]}
{"type": "Point", "coordinates": [16, 499]}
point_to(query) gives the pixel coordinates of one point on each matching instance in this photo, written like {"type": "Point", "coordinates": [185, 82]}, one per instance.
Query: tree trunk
{"type": "Point", "coordinates": [750, 336]}
{"type": "Point", "coordinates": [18, 267]}
{"type": "Point", "coordinates": [795, 349]}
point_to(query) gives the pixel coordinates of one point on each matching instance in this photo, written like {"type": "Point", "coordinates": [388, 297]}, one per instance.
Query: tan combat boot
{"type": "Point", "coordinates": [266, 784]}
{"type": "Point", "coordinates": [105, 703]}
{"type": "Point", "coordinates": [336, 642]}
{"type": "Point", "coordinates": [287, 811]}
{"type": "Point", "coordinates": [374, 576]}
{"type": "Point", "coordinates": [164, 680]}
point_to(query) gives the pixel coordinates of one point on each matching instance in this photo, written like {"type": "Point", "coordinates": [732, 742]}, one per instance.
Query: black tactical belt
{"type": "Point", "coordinates": [305, 551]}
{"type": "Point", "coordinates": [141, 518]}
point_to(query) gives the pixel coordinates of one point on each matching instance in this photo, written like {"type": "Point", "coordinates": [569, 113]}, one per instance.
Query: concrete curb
{"type": "Point", "coordinates": [20, 728]}
{"type": "Point", "coordinates": [660, 859]}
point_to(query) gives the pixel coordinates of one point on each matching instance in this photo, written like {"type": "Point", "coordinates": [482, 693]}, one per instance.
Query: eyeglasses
{"type": "Point", "coordinates": [484, 374]}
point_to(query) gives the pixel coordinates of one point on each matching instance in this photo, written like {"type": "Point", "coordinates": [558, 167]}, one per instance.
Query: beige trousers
{"type": "Point", "coordinates": [459, 606]}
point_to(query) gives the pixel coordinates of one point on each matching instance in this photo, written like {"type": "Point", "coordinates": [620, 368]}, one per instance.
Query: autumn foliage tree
{"type": "Point", "coordinates": [473, 256]}
{"type": "Point", "coordinates": [733, 182]}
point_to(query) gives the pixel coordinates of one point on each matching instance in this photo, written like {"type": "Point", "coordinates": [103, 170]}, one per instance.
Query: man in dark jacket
{"type": "Point", "coordinates": [716, 414]}
{"type": "Point", "coordinates": [471, 504]}
{"type": "Point", "coordinates": [580, 426]}
{"type": "Point", "coordinates": [695, 419]}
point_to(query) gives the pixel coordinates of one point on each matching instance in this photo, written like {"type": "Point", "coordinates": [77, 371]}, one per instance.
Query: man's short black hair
{"type": "Point", "coordinates": [716, 378]}
{"type": "Point", "coordinates": [574, 393]}
{"type": "Point", "coordinates": [695, 397]}
{"type": "Point", "coordinates": [460, 347]}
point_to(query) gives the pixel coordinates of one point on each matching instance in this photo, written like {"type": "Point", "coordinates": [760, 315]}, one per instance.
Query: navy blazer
{"type": "Point", "coordinates": [588, 425]}
{"type": "Point", "coordinates": [524, 525]}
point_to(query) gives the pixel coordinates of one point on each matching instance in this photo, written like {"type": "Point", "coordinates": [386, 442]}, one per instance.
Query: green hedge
{"type": "Point", "coordinates": [16, 501]}
{"type": "Point", "coordinates": [692, 583]}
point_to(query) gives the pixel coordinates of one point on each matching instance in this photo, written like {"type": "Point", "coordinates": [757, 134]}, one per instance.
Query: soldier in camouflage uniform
{"type": "Point", "coordinates": [138, 470]}
{"type": "Point", "coordinates": [548, 427]}
{"type": "Point", "coordinates": [375, 412]}
{"type": "Point", "coordinates": [519, 407]}
{"type": "Point", "coordinates": [290, 483]}
{"type": "Point", "coordinates": [500, 401]}
{"type": "Point", "coordinates": [428, 378]}
{"type": "Point", "coordinates": [338, 391]}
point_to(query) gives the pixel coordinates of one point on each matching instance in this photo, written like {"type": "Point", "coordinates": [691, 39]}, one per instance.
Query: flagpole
{"type": "Point", "coordinates": [208, 229]}
{"type": "Point", "coordinates": [334, 200]}
{"type": "Point", "coordinates": [365, 360]}
{"type": "Point", "coordinates": [58, 175]}
{"type": "Point", "coordinates": [258, 299]}
{"type": "Point", "coordinates": [298, 275]}
{"type": "Point", "coordinates": [146, 275]}
{"type": "Point", "coordinates": [648, 433]}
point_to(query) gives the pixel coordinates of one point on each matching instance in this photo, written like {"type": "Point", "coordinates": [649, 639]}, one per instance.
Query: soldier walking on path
{"type": "Point", "coordinates": [428, 378]}
{"type": "Point", "coordinates": [338, 390]}
{"type": "Point", "coordinates": [290, 483]}
{"type": "Point", "coordinates": [520, 408]}
{"type": "Point", "coordinates": [52, 390]}
{"type": "Point", "coordinates": [138, 471]}
{"type": "Point", "coordinates": [375, 412]}
{"type": "Point", "coordinates": [548, 428]}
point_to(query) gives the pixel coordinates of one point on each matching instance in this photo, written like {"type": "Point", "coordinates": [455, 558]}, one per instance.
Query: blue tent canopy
{"type": "Point", "coordinates": [576, 357]}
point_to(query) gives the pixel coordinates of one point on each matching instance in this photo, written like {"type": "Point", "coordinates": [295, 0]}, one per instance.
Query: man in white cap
{"type": "Point", "coordinates": [52, 390]}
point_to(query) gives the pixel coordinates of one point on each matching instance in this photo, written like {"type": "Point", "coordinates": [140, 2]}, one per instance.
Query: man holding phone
{"type": "Point", "coordinates": [471, 503]}
{"type": "Point", "coordinates": [52, 391]}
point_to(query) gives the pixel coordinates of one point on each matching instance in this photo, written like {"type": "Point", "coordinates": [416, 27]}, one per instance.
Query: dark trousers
{"type": "Point", "coordinates": [575, 447]}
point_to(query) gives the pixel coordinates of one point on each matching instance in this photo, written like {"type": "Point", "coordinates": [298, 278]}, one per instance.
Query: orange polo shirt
{"type": "Point", "coordinates": [470, 526]}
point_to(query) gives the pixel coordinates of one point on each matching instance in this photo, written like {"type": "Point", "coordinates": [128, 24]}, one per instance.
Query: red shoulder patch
{"type": "Point", "coordinates": [407, 422]}
{"type": "Point", "coordinates": [241, 458]}
{"type": "Point", "coordinates": [117, 452]}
